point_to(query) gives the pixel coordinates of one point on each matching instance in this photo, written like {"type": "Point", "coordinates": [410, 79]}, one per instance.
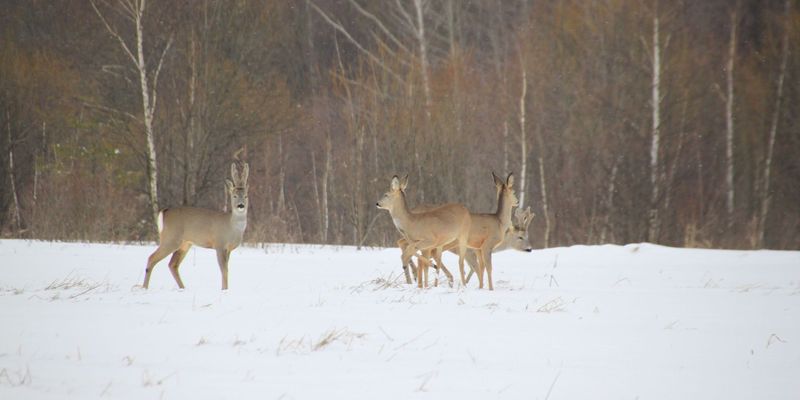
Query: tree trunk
{"type": "Point", "coordinates": [523, 142]}
{"type": "Point", "coordinates": [191, 132]}
{"type": "Point", "coordinates": [729, 127]}
{"type": "Point", "coordinates": [766, 196]}
{"type": "Point", "coordinates": [652, 235]}
{"type": "Point", "coordinates": [612, 181]}
{"type": "Point", "coordinates": [325, 174]}
{"type": "Point", "coordinates": [423, 55]}
{"type": "Point", "coordinates": [545, 208]}
{"type": "Point", "coordinates": [15, 213]}
{"type": "Point", "coordinates": [147, 106]}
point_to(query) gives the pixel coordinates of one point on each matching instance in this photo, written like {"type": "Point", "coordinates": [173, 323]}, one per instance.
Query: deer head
{"type": "Point", "coordinates": [237, 189]}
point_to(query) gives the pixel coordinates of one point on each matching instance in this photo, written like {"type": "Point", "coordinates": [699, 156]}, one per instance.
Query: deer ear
{"type": "Point", "coordinates": [510, 180]}
{"type": "Point", "coordinates": [497, 180]}
{"type": "Point", "coordinates": [245, 174]}
{"type": "Point", "coordinates": [395, 183]}
{"type": "Point", "coordinates": [404, 183]}
{"type": "Point", "coordinates": [229, 184]}
{"type": "Point", "coordinates": [234, 173]}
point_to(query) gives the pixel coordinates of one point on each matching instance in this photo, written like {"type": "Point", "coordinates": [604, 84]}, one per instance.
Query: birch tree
{"type": "Point", "coordinates": [133, 11]}
{"type": "Point", "coordinates": [523, 142]}
{"type": "Point", "coordinates": [729, 123]}
{"type": "Point", "coordinates": [766, 195]}
{"type": "Point", "coordinates": [655, 167]}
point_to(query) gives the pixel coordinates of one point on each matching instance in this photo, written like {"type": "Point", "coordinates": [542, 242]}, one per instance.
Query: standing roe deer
{"type": "Point", "coordinates": [427, 230]}
{"type": "Point", "coordinates": [180, 228]}
{"type": "Point", "coordinates": [487, 232]}
{"type": "Point", "coordinates": [516, 238]}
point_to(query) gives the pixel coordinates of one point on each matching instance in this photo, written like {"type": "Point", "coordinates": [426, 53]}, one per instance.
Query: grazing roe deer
{"type": "Point", "coordinates": [517, 238]}
{"type": "Point", "coordinates": [427, 230]}
{"type": "Point", "coordinates": [180, 228]}
{"type": "Point", "coordinates": [487, 232]}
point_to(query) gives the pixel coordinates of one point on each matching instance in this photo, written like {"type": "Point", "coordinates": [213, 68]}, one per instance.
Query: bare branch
{"type": "Point", "coordinates": [409, 21]}
{"type": "Point", "coordinates": [380, 24]}
{"type": "Point", "coordinates": [341, 29]}
{"type": "Point", "coordinates": [158, 70]}
{"type": "Point", "coordinates": [114, 33]}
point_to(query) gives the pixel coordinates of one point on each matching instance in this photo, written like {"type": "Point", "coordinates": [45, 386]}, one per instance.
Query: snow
{"type": "Point", "coordinates": [308, 322]}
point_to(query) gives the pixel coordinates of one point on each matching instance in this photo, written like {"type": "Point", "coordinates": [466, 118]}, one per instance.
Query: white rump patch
{"type": "Point", "coordinates": [160, 222]}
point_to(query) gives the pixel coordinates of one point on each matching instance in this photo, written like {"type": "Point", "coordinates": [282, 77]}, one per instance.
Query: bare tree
{"type": "Point", "coordinates": [729, 127]}
{"type": "Point", "coordinates": [523, 142]}
{"type": "Point", "coordinates": [655, 167]}
{"type": "Point", "coordinates": [133, 10]}
{"type": "Point", "coordinates": [766, 195]}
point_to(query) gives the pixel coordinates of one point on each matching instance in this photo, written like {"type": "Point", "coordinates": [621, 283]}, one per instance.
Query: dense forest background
{"type": "Point", "coordinates": [674, 122]}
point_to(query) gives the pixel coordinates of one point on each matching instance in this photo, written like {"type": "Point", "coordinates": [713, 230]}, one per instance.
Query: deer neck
{"type": "Point", "coordinates": [238, 221]}
{"type": "Point", "coordinates": [400, 213]}
{"type": "Point", "coordinates": [504, 206]}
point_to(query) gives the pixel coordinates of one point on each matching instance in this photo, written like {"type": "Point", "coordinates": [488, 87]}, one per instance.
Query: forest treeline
{"type": "Point", "coordinates": [674, 122]}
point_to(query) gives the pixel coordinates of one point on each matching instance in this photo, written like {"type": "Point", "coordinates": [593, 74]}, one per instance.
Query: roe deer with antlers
{"type": "Point", "coordinates": [486, 233]}
{"type": "Point", "coordinates": [180, 228]}
{"type": "Point", "coordinates": [516, 238]}
{"type": "Point", "coordinates": [427, 230]}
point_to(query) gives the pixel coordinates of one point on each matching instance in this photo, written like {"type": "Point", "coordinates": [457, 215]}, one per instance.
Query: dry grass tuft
{"type": "Point", "coordinates": [390, 281]}
{"type": "Point", "coordinates": [16, 378]}
{"type": "Point", "coordinates": [554, 305]}
{"type": "Point", "coordinates": [304, 346]}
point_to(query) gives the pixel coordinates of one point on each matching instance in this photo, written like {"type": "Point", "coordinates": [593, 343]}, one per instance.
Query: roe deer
{"type": "Point", "coordinates": [180, 228]}
{"type": "Point", "coordinates": [427, 230]}
{"type": "Point", "coordinates": [487, 232]}
{"type": "Point", "coordinates": [516, 238]}
{"type": "Point", "coordinates": [469, 256]}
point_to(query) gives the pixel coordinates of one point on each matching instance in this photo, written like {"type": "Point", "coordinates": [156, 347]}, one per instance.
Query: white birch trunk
{"type": "Point", "coordinates": [505, 146]}
{"type": "Point", "coordinates": [652, 235]}
{"type": "Point", "coordinates": [545, 208]}
{"type": "Point", "coordinates": [766, 196]}
{"type": "Point", "coordinates": [325, 174]}
{"type": "Point", "coordinates": [15, 213]}
{"type": "Point", "coordinates": [729, 126]}
{"type": "Point", "coordinates": [134, 11]}
{"type": "Point", "coordinates": [423, 55]}
{"type": "Point", "coordinates": [189, 154]}
{"type": "Point", "coordinates": [523, 142]}
{"type": "Point", "coordinates": [148, 107]}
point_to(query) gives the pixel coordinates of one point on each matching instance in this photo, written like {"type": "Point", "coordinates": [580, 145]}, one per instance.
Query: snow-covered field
{"type": "Point", "coordinates": [310, 322]}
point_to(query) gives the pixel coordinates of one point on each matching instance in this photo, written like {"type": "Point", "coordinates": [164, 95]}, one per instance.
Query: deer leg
{"type": "Point", "coordinates": [481, 265]}
{"type": "Point", "coordinates": [410, 250]}
{"type": "Point", "coordinates": [437, 255]}
{"type": "Point", "coordinates": [424, 264]}
{"type": "Point", "coordinates": [176, 260]}
{"type": "Point", "coordinates": [222, 258]}
{"type": "Point", "coordinates": [486, 265]}
{"type": "Point", "coordinates": [472, 261]}
{"type": "Point", "coordinates": [158, 255]}
{"type": "Point", "coordinates": [402, 243]}
{"type": "Point", "coordinates": [426, 269]}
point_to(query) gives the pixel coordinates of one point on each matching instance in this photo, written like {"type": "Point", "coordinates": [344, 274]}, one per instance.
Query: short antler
{"type": "Point", "coordinates": [240, 180]}
{"type": "Point", "coordinates": [245, 174]}
{"type": "Point", "coordinates": [234, 174]}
